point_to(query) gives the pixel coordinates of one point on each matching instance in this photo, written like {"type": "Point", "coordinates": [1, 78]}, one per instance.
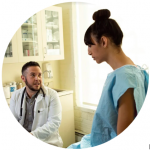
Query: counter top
{"type": "Point", "coordinates": [63, 92]}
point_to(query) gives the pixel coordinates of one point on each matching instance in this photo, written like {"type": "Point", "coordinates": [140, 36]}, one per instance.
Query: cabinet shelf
{"type": "Point", "coordinates": [28, 25]}
{"type": "Point", "coordinates": [52, 25]}
{"type": "Point", "coordinates": [52, 41]}
{"type": "Point", "coordinates": [29, 42]}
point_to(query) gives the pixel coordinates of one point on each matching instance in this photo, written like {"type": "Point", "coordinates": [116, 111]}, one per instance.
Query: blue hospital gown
{"type": "Point", "coordinates": [104, 127]}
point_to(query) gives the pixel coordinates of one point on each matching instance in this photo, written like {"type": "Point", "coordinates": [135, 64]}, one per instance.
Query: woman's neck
{"type": "Point", "coordinates": [117, 59]}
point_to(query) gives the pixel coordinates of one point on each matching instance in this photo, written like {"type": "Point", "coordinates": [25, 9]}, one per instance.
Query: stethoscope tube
{"type": "Point", "coordinates": [23, 97]}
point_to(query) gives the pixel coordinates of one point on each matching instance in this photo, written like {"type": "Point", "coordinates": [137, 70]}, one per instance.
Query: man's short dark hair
{"type": "Point", "coordinates": [29, 64]}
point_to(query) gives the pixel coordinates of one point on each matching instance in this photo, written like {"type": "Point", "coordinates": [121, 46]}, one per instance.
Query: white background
{"type": "Point", "coordinates": [12, 136]}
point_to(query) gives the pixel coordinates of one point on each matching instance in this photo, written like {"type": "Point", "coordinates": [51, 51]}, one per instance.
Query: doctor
{"type": "Point", "coordinates": [36, 107]}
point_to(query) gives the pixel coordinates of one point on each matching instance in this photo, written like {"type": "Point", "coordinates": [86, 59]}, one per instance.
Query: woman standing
{"type": "Point", "coordinates": [125, 88]}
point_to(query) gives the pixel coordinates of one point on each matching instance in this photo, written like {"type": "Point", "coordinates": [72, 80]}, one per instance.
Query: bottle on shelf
{"type": "Point", "coordinates": [19, 86]}
{"type": "Point", "coordinates": [12, 88]}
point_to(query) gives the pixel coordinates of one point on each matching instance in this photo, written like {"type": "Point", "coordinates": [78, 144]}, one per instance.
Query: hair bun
{"type": "Point", "coordinates": [101, 14]}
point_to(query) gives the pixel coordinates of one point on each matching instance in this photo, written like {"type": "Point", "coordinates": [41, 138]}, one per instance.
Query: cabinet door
{"type": "Point", "coordinates": [52, 32]}
{"type": "Point", "coordinates": [67, 129]}
{"type": "Point", "coordinates": [11, 55]}
{"type": "Point", "coordinates": [29, 40]}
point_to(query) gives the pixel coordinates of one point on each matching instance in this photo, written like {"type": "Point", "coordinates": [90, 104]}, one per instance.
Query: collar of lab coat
{"type": "Point", "coordinates": [38, 99]}
{"type": "Point", "coordinates": [40, 95]}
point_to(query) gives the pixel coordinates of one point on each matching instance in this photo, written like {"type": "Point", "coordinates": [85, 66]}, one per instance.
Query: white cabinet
{"type": "Point", "coordinates": [40, 38]}
{"type": "Point", "coordinates": [52, 33]}
{"type": "Point", "coordinates": [11, 54]}
{"type": "Point", "coordinates": [29, 40]}
{"type": "Point", "coordinates": [67, 129]}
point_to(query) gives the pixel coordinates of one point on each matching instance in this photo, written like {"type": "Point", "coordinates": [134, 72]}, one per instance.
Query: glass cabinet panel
{"type": "Point", "coordinates": [52, 32]}
{"type": "Point", "coordinates": [11, 55]}
{"type": "Point", "coordinates": [9, 52]}
{"type": "Point", "coordinates": [30, 37]}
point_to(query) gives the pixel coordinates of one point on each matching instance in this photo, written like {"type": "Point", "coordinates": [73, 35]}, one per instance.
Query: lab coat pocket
{"type": "Point", "coordinates": [40, 110]}
{"type": "Point", "coordinates": [42, 116]}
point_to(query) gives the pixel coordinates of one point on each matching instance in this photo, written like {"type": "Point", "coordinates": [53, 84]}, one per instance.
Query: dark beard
{"type": "Point", "coordinates": [29, 86]}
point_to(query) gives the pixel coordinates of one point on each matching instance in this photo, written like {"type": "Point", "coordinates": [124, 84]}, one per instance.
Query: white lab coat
{"type": "Point", "coordinates": [46, 123]}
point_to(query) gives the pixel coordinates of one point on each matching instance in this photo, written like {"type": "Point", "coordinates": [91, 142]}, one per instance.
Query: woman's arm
{"type": "Point", "coordinates": [126, 110]}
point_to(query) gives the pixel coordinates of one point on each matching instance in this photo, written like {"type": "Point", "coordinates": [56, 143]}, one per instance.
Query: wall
{"type": "Point", "coordinates": [67, 77]}
{"type": "Point", "coordinates": [12, 72]}
{"type": "Point", "coordinates": [83, 120]}
{"type": "Point", "coordinates": [68, 67]}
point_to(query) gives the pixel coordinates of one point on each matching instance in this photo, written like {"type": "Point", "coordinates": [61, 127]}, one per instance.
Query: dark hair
{"type": "Point", "coordinates": [103, 26]}
{"type": "Point", "coordinates": [29, 64]}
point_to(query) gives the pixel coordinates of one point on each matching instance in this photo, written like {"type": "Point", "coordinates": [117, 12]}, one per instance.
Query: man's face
{"type": "Point", "coordinates": [32, 78]}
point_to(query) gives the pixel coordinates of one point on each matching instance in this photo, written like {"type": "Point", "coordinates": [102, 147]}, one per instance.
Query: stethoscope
{"type": "Point", "coordinates": [23, 97]}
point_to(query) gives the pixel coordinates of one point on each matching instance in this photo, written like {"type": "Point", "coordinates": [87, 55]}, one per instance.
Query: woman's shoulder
{"type": "Point", "coordinates": [125, 71]}
{"type": "Point", "coordinates": [126, 75]}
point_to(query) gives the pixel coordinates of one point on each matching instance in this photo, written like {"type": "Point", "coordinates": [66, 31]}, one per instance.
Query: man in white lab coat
{"type": "Point", "coordinates": [36, 107]}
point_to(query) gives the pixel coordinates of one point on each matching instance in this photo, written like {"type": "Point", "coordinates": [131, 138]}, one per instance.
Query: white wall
{"type": "Point", "coordinates": [68, 70]}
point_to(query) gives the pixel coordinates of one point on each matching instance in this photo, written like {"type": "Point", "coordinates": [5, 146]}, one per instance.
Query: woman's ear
{"type": "Point", "coordinates": [104, 41]}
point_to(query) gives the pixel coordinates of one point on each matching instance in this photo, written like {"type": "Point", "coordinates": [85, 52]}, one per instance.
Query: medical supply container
{"type": "Point", "coordinates": [19, 86]}
{"type": "Point", "coordinates": [12, 88]}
